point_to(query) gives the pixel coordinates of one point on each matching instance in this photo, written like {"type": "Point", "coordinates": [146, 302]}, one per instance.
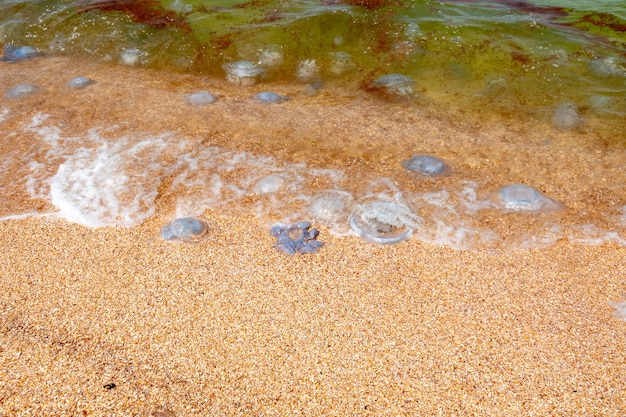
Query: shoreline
{"type": "Point", "coordinates": [232, 326]}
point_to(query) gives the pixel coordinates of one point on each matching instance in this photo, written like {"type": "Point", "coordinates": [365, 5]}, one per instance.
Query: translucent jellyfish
{"type": "Point", "coordinates": [201, 98]}
{"type": "Point", "coordinates": [383, 222]}
{"type": "Point", "coordinates": [341, 62]}
{"type": "Point", "coordinates": [18, 53]}
{"type": "Point", "coordinates": [395, 84]}
{"type": "Point", "coordinates": [566, 117]}
{"type": "Point", "coordinates": [269, 97]}
{"type": "Point", "coordinates": [425, 164]}
{"type": "Point", "coordinates": [132, 56]}
{"type": "Point", "coordinates": [79, 82]}
{"type": "Point", "coordinates": [269, 184]}
{"type": "Point", "coordinates": [296, 238]}
{"type": "Point", "coordinates": [520, 197]}
{"type": "Point", "coordinates": [21, 91]}
{"type": "Point", "coordinates": [270, 56]}
{"type": "Point", "coordinates": [331, 207]}
{"type": "Point", "coordinates": [185, 229]}
{"type": "Point", "coordinates": [243, 73]}
{"type": "Point", "coordinates": [308, 71]}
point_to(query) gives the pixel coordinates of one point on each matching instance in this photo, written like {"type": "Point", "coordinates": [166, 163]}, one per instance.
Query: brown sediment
{"type": "Point", "coordinates": [147, 12]}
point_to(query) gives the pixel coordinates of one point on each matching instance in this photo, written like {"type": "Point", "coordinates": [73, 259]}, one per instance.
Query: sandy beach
{"type": "Point", "coordinates": [116, 321]}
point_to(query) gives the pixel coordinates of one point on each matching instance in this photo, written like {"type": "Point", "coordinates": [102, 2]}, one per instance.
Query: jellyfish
{"type": "Point", "coordinates": [21, 90]}
{"type": "Point", "coordinates": [243, 73]}
{"type": "Point", "coordinates": [185, 229]}
{"type": "Point", "coordinates": [269, 97]}
{"type": "Point", "coordinates": [201, 98]}
{"type": "Point", "coordinates": [395, 84]}
{"type": "Point", "coordinates": [18, 53]}
{"type": "Point", "coordinates": [425, 164]}
{"type": "Point", "coordinates": [383, 222]}
{"type": "Point", "coordinates": [296, 238]}
{"type": "Point", "coordinates": [520, 197]}
{"type": "Point", "coordinates": [79, 82]}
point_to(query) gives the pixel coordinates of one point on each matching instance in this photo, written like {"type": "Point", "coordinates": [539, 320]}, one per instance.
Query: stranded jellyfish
{"type": "Point", "coordinates": [243, 73]}
{"type": "Point", "coordinates": [383, 222]}
{"type": "Point", "coordinates": [185, 229]}
{"type": "Point", "coordinates": [18, 53]}
{"type": "Point", "coordinates": [269, 97]}
{"type": "Point", "coordinates": [79, 82]}
{"type": "Point", "coordinates": [566, 117]}
{"type": "Point", "coordinates": [424, 164]}
{"type": "Point", "coordinates": [520, 197]}
{"type": "Point", "coordinates": [296, 238]}
{"type": "Point", "coordinates": [21, 90]}
{"type": "Point", "coordinates": [200, 98]}
{"type": "Point", "coordinates": [332, 207]}
{"type": "Point", "coordinates": [395, 84]}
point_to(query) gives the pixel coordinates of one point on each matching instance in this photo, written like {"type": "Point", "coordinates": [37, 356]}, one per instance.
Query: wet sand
{"type": "Point", "coordinates": [116, 321]}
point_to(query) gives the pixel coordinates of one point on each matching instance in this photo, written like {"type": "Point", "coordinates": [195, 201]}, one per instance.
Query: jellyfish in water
{"type": "Point", "coordinates": [425, 164]}
{"type": "Point", "coordinates": [243, 73]}
{"type": "Point", "coordinates": [331, 207]}
{"type": "Point", "coordinates": [18, 53]}
{"type": "Point", "coordinates": [21, 90]}
{"type": "Point", "coordinates": [79, 82]}
{"type": "Point", "coordinates": [396, 84]}
{"type": "Point", "coordinates": [269, 97]}
{"type": "Point", "coordinates": [520, 197]}
{"type": "Point", "coordinates": [185, 229]}
{"type": "Point", "coordinates": [384, 222]}
{"type": "Point", "coordinates": [201, 98]}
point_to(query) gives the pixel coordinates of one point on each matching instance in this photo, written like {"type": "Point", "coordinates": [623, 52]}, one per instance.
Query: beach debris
{"type": "Point", "coordinates": [18, 53]}
{"type": "Point", "coordinates": [296, 238]}
{"type": "Point", "coordinates": [80, 82]}
{"type": "Point", "coordinates": [185, 229]}
{"type": "Point", "coordinates": [397, 84]}
{"type": "Point", "coordinates": [269, 97]}
{"type": "Point", "coordinates": [201, 98]}
{"type": "Point", "coordinates": [243, 73]}
{"type": "Point", "coordinates": [21, 90]}
{"type": "Point", "coordinates": [331, 207]}
{"type": "Point", "coordinates": [383, 222]}
{"type": "Point", "coordinates": [566, 117]}
{"type": "Point", "coordinates": [425, 164]}
{"type": "Point", "coordinates": [520, 197]}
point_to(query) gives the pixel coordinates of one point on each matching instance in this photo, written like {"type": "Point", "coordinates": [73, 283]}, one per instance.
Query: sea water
{"type": "Point", "coordinates": [131, 146]}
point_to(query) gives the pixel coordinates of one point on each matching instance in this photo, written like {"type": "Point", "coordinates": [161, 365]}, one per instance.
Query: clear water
{"type": "Point", "coordinates": [497, 62]}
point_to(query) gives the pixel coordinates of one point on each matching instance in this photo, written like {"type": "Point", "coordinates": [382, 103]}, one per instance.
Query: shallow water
{"type": "Point", "coordinates": [488, 81]}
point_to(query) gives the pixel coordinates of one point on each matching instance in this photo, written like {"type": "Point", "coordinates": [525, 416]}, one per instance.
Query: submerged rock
{"type": "Point", "coordinates": [243, 73]}
{"type": "Point", "coordinates": [383, 222]}
{"type": "Point", "coordinates": [80, 82]}
{"type": "Point", "coordinates": [520, 197]}
{"type": "Point", "coordinates": [21, 90]}
{"type": "Point", "coordinates": [296, 238]}
{"type": "Point", "coordinates": [425, 164]}
{"type": "Point", "coordinates": [185, 229]}
{"type": "Point", "coordinates": [201, 98]}
{"type": "Point", "coordinates": [269, 97]}
{"type": "Point", "coordinates": [18, 53]}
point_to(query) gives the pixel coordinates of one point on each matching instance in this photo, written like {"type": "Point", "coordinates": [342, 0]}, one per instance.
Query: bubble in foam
{"type": "Point", "coordinates": [243, 73]}
{"type": "Point", "coordinates": [186, 229]}
{"type": "Point", "coordinates": [566, 117]}
{"type": "Point", "coordinates": [331, 207]}
{"type": "Point", "coordinates": [520, 197]}
{"type": "Point", "coordinates": [269, 184]}
{"type": "Point", "coordinates": [269, 97]}
{"type": "Point", "coordinates": [21, 91]}
{"type": "Point", "coordinates": [425, 164]}
{"type": "Point", "coordinates": [80, 82]}
{"type": "Point", "coordinates": [384, 222]}
{"type": "Point", "coordinates": [201, 98]}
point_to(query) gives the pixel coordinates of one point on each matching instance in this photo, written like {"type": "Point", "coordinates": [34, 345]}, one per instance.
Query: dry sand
{"type": "Point", "coordinates": [117, 322]}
